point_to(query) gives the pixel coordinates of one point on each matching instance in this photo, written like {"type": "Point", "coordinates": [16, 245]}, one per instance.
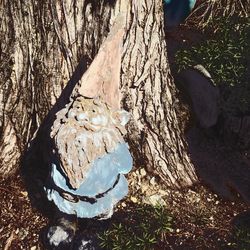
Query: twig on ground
{"type": "Point", "coordinates": [4, 189]}
{"type": "Point", "coordinates": [9, 240]}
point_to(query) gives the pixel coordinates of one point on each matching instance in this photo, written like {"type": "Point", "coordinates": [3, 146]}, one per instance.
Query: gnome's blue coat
{"type": "Point", "coordinates": [101, 177]}
{"type": "Point", "coordinates": [176, 11]}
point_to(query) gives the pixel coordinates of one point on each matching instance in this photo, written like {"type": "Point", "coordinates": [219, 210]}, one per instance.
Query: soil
{"type": "Point", "coordinates": [20, 223]}
{"type": "Point", "coordinates": [201, 219]}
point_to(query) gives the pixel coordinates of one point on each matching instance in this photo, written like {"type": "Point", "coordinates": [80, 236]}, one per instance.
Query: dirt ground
{"type": "Point", "coordinates": [202, 220]}
{"type": "Point", "coordinates": [20, 223]}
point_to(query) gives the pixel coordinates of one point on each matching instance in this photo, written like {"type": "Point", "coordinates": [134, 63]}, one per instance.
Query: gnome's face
{"type": "Point", "coordinates": [89, 111]}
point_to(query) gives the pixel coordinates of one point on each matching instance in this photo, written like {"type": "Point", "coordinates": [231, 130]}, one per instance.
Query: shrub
{"type": "Point", "coordinates": [226, 55]}
{"type": "Point", "coordinates": [141, 229]}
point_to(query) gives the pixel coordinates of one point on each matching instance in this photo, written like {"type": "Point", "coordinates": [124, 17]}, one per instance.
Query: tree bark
{"type": "Point", "coordinates": [42, 42]}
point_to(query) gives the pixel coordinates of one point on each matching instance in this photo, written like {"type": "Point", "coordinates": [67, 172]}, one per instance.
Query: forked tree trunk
{"type": "Point", "coordinates": [42, 42]}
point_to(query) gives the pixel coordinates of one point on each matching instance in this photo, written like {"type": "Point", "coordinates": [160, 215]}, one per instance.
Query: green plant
{"type": "Point", "coordinates": [226, 57]}
{"type": "Point", "coordinates": [199, 216]}
{"type": "Point", "coordinates": [241, 239]}
{"type": "Point", "coordinates": [142, 228]}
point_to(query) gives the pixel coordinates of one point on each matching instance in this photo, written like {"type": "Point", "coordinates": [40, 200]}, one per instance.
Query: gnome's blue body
{"type": "Point", "coordinates": [176, 11]}
{"type": "Point", "coordinates": [104, 186]}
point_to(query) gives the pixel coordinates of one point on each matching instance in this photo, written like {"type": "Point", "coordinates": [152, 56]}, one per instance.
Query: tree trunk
{"type": "Point", "coordinates": [42, 43]}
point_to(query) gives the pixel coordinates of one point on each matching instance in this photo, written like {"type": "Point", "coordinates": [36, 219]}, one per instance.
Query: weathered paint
{"type": "Point", "coordinates": [85, 130]}
{"type": "Point", "coordinates": [101, 176]}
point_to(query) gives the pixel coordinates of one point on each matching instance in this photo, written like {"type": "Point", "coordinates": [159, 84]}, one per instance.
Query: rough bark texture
{"type": "Point", "coordinates": [41, 44]}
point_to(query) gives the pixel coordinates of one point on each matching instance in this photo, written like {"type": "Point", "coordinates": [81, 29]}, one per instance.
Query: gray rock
{"type": "Point", "coordinates": [57, 234]}
{"type": "Point", "coordinates": [59, 237]}
{"type": "Point", "coordinates": [204, 96]}
{"type": "Point", "coordinates": [155, 199]}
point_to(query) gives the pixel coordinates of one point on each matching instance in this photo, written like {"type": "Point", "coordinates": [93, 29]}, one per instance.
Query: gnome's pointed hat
{"type": "Point", "coordinates": [103, 75]}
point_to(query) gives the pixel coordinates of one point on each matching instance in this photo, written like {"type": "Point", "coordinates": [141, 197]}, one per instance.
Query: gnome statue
{"type": "Point", "coordinates": [89, 155]}
{"type": "Point", "coordinates": [90, 158]}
